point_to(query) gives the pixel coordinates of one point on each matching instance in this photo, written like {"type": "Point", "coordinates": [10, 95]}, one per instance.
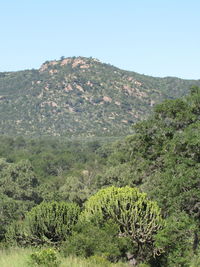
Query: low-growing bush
{"type": "Point", "coordinates": [46, 257]}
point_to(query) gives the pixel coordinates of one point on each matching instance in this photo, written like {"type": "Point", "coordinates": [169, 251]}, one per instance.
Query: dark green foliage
{"type": "Point", "coordinates": [18, 192]}
{"type": "Point", "coordinates": [89, 239]}
{"type": "Point", "coordinates": [10, 210]}
{"type": "Point", "coordinates": [18, 181]}
{"type": "Point", "coordinates": [175, 182]}
{"type": "Point", "coordinates": [177, 240]}
{"type": "Point", "coordinates": [162, 158]}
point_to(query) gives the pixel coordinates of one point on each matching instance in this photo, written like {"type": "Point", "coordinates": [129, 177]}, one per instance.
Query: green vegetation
{"type": "Point", "coordinates": [45, 257]}
{"type": "Point", "coordinates": [134, 200]}
{"type": "Point", "coordinates": [23, 258]}
{"type": "Point", "coordinates": [46, 224]}
{"type": "Point", "coordinates": [137, 217]}
{"type": "Point", "coordinates": [80, 97]}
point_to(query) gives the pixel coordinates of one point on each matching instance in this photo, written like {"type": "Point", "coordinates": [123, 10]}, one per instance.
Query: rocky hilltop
{"type": "Point", "coordinates": [80, 96]}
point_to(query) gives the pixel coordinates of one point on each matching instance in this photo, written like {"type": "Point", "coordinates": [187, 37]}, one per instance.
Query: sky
{"type": "Point", "coordinates": [153, 37]}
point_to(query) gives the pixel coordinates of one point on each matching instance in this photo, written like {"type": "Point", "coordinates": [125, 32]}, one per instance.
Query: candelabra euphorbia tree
{"type": "Point", "coordinates": [137, 217]}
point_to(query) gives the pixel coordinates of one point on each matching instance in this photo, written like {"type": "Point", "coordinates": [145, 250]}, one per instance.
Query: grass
{"type": "Point", "coordinates": [77, 262]}
{"type": "Point", "coordinates": [18, 257]}
{"type": "Point", "coordinates": [15, 257]}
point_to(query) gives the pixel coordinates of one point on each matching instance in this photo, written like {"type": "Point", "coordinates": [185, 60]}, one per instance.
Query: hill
{"type": "Point", "coordinates": [80, 97]}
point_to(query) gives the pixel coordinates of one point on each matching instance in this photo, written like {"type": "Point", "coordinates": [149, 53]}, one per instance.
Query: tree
{"type": "Point", "coordinates": [138, 218]}
{"type": "Point", "coordinates": [10, 210]}
{"type": "Point", "coordinates": [47, 223]}
{"type": "Point", "coordinates": [177, 240]}
{"type": "Point", "coordinates": [18, 192]}
{"type": "Point", "coordinates": [177, 186]}
{"type": "Point", "coordinates": [18, 181]}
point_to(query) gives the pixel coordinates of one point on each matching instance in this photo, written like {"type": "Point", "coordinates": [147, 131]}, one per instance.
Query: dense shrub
{"type": "Point", "coordinates": [89, 239]}
{"type": "Point", "coordinates": [47, 223]}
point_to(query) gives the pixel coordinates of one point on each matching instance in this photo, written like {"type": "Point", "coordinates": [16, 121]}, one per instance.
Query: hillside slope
{"type": "Point", "coordinates": [80, 97]}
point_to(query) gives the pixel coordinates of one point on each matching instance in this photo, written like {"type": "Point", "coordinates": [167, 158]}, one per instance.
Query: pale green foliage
{"type": "Point", "coordinates": [47, 223]}
{"type": "Point", "coordinates": [196, 260]}
{"type": "Point", "coordinates": [137, 217]}
{"type": "Point", "coordinates": [21, 258]}
{"type": "Point", "coordinates": [55, 218]}
{"type": "Point", "coordinates": [46, 257]}
{"type": "Point", "coordinates": [14, 257]}
{"type": "Point", "coordinates": [99, 260]}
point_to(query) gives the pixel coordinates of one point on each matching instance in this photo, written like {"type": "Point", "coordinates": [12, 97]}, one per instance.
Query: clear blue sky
{"type": "Point", "coordinates": [153, 37]}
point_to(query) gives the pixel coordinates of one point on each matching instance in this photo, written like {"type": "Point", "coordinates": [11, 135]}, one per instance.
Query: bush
{"type": "Point", "coordinates": [46, 257]}
{"type": "Point", "coordinates": [48, 223]}
{"type": "Point", "coordinates": [88, 240]}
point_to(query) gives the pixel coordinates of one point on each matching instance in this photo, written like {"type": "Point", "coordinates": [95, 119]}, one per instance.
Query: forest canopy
{"type": "Point", "coordinates": [137, 196]}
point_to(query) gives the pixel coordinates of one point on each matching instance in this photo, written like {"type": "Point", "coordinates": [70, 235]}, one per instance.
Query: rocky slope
{"type": "Point", "coordinates": [80, 97]}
